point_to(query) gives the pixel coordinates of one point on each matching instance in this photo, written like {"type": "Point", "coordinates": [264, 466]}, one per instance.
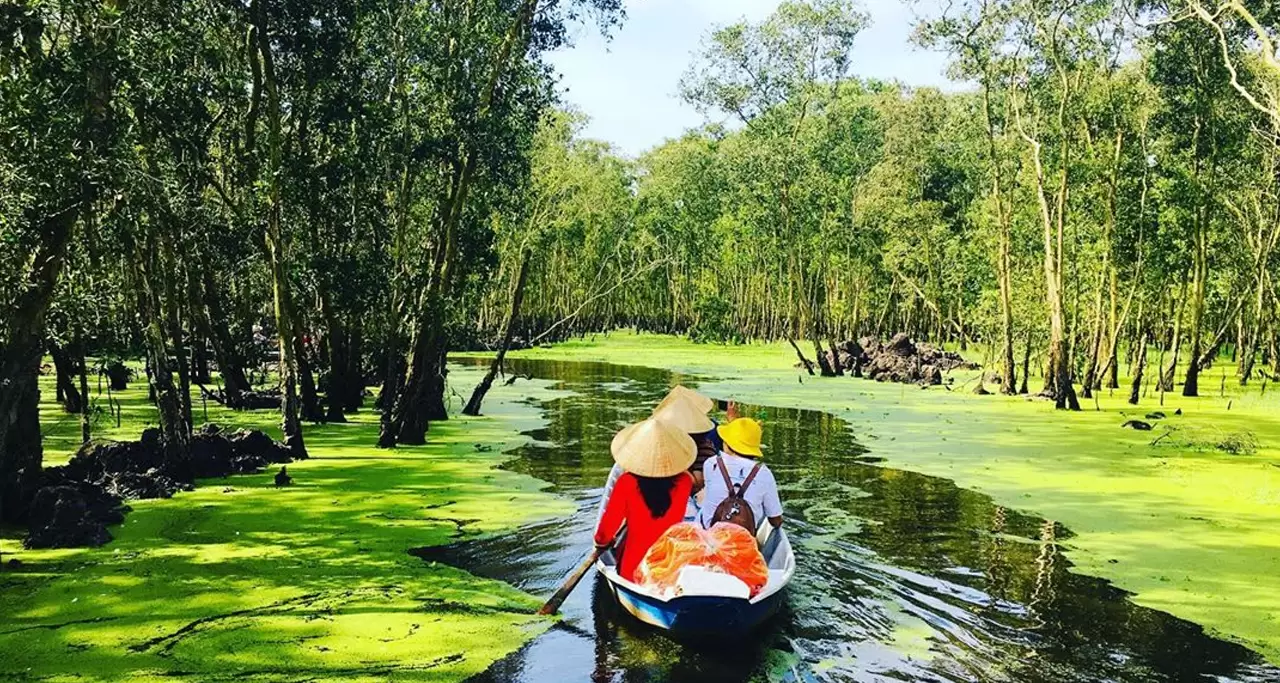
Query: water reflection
{"type": "Point", "coordinates": [901, 577]}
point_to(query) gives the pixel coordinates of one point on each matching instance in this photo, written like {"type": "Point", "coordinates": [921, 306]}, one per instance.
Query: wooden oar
{"type": "Point", "coordinates": [571, 582]}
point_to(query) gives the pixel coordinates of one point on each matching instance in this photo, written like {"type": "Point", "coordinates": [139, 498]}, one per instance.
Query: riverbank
{"type": "Point", "coordinates": [239, 579]}
{"type": "Point", "coordinates": [1187, 527]}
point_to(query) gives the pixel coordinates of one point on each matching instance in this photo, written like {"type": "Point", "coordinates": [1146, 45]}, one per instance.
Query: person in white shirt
{"type": "Point", "coordinates": [741, 453]}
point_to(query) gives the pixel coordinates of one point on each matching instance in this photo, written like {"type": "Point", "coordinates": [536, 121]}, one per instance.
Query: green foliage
{"type": "Point", "coordinates": [714, 323]}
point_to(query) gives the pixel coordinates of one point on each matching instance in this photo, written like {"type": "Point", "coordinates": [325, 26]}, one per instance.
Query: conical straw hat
{"type": "Point", "coordinates": [683, 415]}
{"type": "Point", "coordinates": [653, 448]}
{"type": "Point", "coordinates": [695, 399]}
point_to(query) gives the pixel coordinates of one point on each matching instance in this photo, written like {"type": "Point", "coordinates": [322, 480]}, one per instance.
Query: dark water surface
{"type": "Point", "coordinates": [901, 577]}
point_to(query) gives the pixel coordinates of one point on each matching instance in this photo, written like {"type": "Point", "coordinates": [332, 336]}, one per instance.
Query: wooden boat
{"type": "Point", "coordinates": [707, 614]}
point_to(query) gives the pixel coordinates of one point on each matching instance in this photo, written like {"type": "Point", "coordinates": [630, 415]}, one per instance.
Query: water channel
{"type": "Point", "coordinates": [901, 576]}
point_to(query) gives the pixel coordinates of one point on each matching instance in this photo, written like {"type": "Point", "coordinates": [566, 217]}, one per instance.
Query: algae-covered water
{"type": "Point", "coordinates": [901, 576]}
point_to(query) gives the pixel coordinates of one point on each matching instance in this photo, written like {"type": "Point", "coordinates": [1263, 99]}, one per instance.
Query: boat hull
{"type": "Point", "coordinates": [700, 615]}
{"type": "Point", "coordinates": [707, 615]}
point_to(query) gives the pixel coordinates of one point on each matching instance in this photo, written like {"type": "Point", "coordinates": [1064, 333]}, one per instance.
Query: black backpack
{"type": "Point", "coordinates": [735, 509]}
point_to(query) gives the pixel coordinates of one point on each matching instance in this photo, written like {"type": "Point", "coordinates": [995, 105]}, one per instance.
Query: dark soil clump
{"type": "Point", "coordinates": [244, 400]}
{"type": "Point", "coordinates": [898, 360]}
{"type": "Point", "coordinates": [79, 500]}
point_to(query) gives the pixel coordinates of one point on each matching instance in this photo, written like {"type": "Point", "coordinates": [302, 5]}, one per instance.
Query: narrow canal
{"type": "Point", "coordinates": [901, 576]}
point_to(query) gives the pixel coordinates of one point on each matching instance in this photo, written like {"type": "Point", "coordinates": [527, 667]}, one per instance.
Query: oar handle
{"type": "Point", "coordinates": [553, 605]}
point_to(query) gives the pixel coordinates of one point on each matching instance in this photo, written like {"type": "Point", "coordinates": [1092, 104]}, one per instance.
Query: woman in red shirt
{"type": "Point", "coordinates": [651, 495]}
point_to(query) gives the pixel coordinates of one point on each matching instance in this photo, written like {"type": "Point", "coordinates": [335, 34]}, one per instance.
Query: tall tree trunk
{"type": "Point", "coordinates": [1026, 365]}
{"type": "Point", "coordinates": [353, 389]}
{"type": "Point", "coordinates": [1008, 375]}
{"type": "Point", "coordinates": [214, 325]}
{"type": "Point", "coordinates": [1058, 380]}
{"type": "Point", "coordinates": [1112, 360]}
{"type": "Point", "coordinates": [173, 427]}
{"type": "Point", "coordinates": [290, 424]}
{"type": "Point", "coordinates": [200, 360]}
{"type": "Point", "coordinates": [1253, 337]}
{"type": "Point", "coordinates": [1140, 365]}
{"type": "Point", "coordinates": [336, 393]}
{"type": "Point", "coordinates": [65, 372]}
{"type": "Point", "coordinates": [309, 399]}
{"type": "Point", "coordinates": [1095, 344]}
{"type": "Point", "coordinates": [421, 398]}
{"type": "Point", "coordinates": [1175, 341]}
{"type": "Point", "coordinates": [508, 329]}
{"type": "Point", "coordinates": [174, 324]}
{"type": "Point", "coordinates": [1191, 386]}
{"type": "Point", "coordinates": [82, 364]}
{"type": "Point", "coordinates": [21, 453]}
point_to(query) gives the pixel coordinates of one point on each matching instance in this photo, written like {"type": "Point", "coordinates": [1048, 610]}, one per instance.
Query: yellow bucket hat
{"type": "Point", "coordinates": [683, 393]}
{"type": "Point", "coordinates": [653, 448]}
{"type": "Point", "coordinates": [742, 436]}
{"type": "Point", "coordinates": [682, 414]}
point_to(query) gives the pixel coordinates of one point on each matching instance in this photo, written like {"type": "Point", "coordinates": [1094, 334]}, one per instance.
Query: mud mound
{"type": "Point", "coordinates": [80, 499]}
{"type": "Point", "coordinates": [72, 515]}
{"type": "Point", "coordinates": [898, 360]}
{"type": "Point", "coordinates": [245, 400]}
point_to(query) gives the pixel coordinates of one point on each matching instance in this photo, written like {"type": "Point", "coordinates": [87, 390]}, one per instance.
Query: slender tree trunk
{"type": "Point", "coordinates": [21, 456]}
{"type": "Point", "coordinates": [213, 319]}
{"type": "Point", "coordinates": [1191, 387]}
{"type": "Point", "coordinates": [353, 389]}
{"type": "Point", "coordinates": [1095, 344]}
{"type": "Point", "coordinates": [1140, 366]}
{"type": "Point", "coordinates": [65, 372]}
{"type": "Point", "coordinates": [337, 390]}
{"type": "Point", "coordinates": [290, 424]}
{"type": "Point", "coordinates": [508, 328]}
{"type": "Point", "coordinates": [422, 396]}
{"type": "Point", "coordinates": [21, 452]}
{"type": "Point", "coordinates": [199, 359]}
{"type": "Point", "coordinates": [173, 322]}
{"type": "Point", "coordinates": [309, 399]}
{"type": "Point", "coordinates": [82, 364]}
{"type": "Point", "coordinates": [1175, 341]}
{"type": "Point", "coordinates": [1253, 338]}
{"type": "Point", "coordinates": [173, 426]}
{"type": "Point", "coordinates": [1026, 365]}
{"type": "Point", "coordinates": [1004, 270]}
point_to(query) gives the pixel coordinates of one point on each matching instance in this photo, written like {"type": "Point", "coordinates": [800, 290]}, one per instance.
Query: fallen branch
{"type": "Point", "coordinates": [596, 297]}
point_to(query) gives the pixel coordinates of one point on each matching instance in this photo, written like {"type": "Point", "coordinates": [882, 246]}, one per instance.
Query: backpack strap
{"type": "Point", "coordinates": [742, 492]}
{"type": "Point", "coordinates": [724, 472]}
{"type": "Point", "coordinates": [728, 483]}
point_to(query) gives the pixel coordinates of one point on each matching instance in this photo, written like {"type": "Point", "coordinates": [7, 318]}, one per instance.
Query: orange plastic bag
{"type": "Point", "coordinates": [726, 548]}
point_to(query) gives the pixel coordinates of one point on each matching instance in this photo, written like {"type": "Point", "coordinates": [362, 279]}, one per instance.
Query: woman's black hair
{"type": "Point", "coordinates": [656, 492]}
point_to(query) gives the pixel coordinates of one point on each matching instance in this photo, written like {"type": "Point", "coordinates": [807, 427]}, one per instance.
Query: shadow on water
{"type": "Point", "coordinates": [901, 577]}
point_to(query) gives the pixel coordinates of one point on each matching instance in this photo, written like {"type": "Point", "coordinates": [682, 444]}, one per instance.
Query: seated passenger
{"type": "Point", "coordinates": [687, 410]}
{"type": "Point", "coordinates": [649, 497]}
{"type": "Point", "coordinates": [740, 459]}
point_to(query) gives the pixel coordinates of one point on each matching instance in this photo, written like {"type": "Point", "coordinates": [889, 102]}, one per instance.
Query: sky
{"type": "Point", "coordinates": [629, 85]}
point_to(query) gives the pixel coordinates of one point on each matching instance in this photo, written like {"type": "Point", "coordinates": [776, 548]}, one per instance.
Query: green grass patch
{"type": "Point", "coordinates": [239, 579]}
